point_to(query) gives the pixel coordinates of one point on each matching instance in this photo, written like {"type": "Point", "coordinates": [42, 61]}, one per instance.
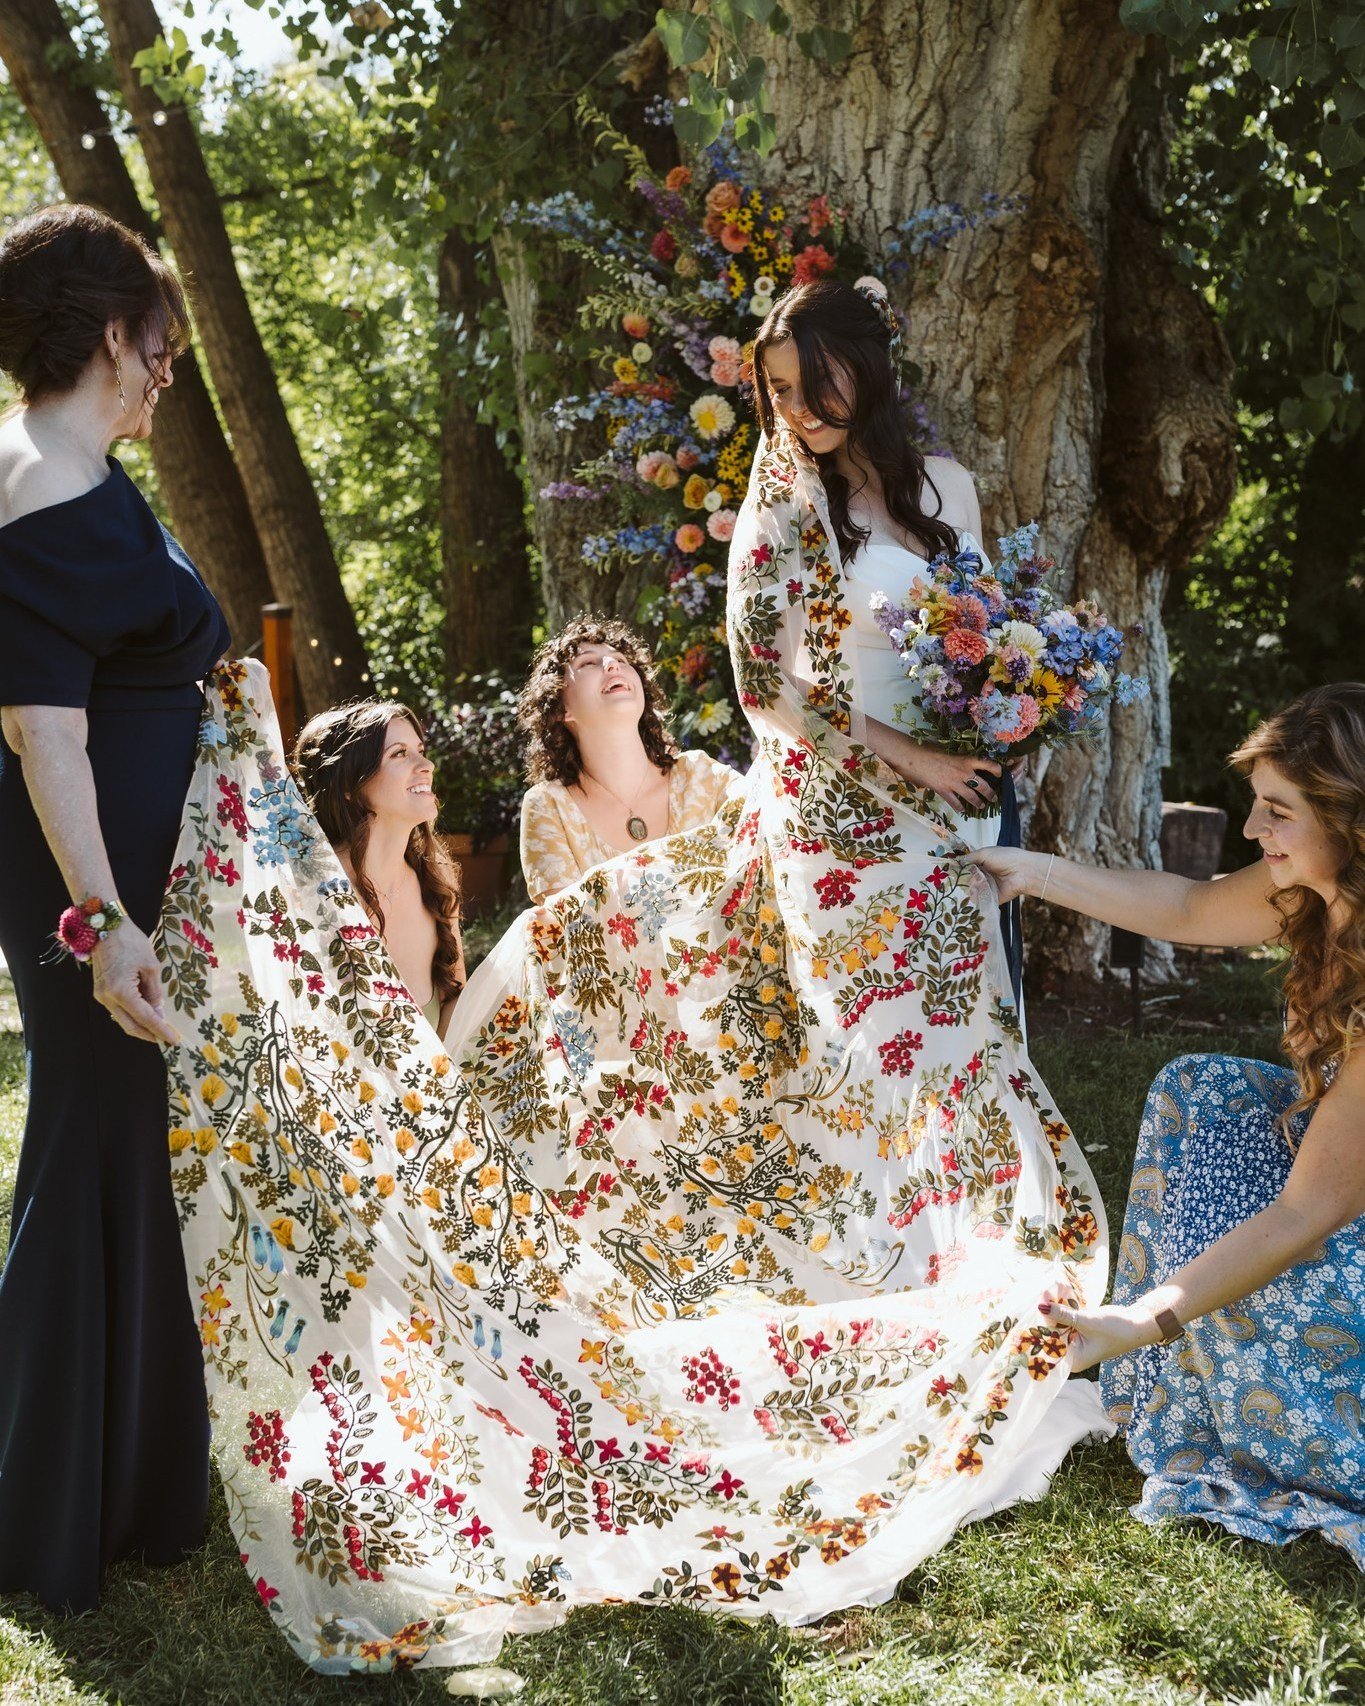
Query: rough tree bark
{"type": "Point", "coordinates": [283, 500]}
{"type": "Point", "coordinates": [489, 601]}
{"type": "Point", "coordinates": [194, 463]}
{"type": "Point", "coordinates": [1066, 363]}
{"type": "Point", "coordinates": [541, 323]}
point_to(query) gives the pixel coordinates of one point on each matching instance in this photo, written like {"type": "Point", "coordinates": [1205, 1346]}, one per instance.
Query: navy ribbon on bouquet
{"type": "Point", "coordinates": [1011, 920]}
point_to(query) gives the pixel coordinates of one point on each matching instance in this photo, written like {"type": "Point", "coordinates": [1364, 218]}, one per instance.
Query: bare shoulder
{"type": "Point", "coordinates": [29, 480]}
{"type": "Point", "coordinates": [959, 505]}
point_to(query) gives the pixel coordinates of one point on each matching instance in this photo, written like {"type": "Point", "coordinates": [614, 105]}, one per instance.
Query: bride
{"type": "Point", "coordinates": [703, 1263]}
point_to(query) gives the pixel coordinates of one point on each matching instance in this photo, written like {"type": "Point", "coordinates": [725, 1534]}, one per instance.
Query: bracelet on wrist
{"type": "Point", "coordinates": [81, 929]}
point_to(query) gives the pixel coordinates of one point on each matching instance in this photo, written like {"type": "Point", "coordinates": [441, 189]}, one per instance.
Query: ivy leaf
{"type": "Point", "coordinates": [697, 127]}
{"type": "Point", "coordinates": [756, 130]}
{"type": "Point", "coordinates": [1143, 17]}
{"type": "Point", "coordinates": [1269, 60]}
{"type": "Point", "coordinates": [828, 45]}
{"type": "Point", "coordinates": [744, 87]}
{"type": "Point", "coordinates": [756, 11]}
{"type": "Point", "coordinates": [686, 35]}
{"type": "Point", "coordinates": [1342, 145]}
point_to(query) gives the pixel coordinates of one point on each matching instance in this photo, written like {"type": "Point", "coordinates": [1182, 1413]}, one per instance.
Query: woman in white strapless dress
{"type": "Point", "coordinates": [891, 510]}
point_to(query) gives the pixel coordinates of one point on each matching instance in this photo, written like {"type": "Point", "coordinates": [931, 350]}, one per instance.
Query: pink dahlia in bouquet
{"type": "Point", "coordinates": [997, 663]}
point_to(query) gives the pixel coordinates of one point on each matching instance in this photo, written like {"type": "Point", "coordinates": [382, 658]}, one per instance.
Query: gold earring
{"type": "Point", "coordinates": [118, 375]}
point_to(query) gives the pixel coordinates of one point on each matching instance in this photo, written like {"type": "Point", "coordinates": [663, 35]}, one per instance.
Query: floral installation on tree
{"type": "Point", "coordinates": [683, 298]}
{"type": "Point", "coordinates": [999, 663]}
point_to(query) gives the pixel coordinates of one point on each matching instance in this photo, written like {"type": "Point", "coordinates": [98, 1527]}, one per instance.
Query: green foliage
{"type": "Point", "coordinates": [346, 307]}
{"type": "Point", "coordinates": [1270, 191]}
{"type": "Point", "coordinates": [169, 67]}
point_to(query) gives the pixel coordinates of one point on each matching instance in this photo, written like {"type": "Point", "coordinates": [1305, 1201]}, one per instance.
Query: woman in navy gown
{"type": "Point", "coordinates": [105, 633]}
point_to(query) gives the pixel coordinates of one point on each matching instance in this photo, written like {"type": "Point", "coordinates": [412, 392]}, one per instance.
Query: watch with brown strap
{"type": "Point", "coordinates": [1168, 1325]}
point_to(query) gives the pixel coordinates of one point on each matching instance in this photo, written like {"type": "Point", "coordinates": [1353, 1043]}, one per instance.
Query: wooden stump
{"type": "Point", "coordinates": [1192, 839]}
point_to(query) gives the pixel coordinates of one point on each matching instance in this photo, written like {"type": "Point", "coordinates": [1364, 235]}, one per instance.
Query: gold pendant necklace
{"type": "Point", "coordinates": [636, 827]}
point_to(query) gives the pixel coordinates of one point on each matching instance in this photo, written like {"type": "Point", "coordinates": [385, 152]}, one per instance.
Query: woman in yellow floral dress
{"type": "Point", "coordinates": [605, 773]}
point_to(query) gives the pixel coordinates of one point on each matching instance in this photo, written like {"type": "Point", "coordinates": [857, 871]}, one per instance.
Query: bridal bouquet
{"type": "Point", "coordinates": [998, 664]}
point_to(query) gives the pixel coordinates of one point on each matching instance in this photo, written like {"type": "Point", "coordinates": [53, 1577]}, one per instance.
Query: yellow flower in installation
{"type": "Point", "coordinates": [625, 370]}
{"type": "Point", "coordinates": [712, 415]}
{"type": "Point", "coordinates": [694, 492]}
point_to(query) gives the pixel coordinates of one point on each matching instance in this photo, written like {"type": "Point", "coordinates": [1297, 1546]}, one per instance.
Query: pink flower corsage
{"type": "Point", "coordinates": [81, 929]}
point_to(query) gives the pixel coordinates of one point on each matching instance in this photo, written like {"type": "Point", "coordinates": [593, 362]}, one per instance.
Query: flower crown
{"type": "Point", "coordinates": [872, 290]}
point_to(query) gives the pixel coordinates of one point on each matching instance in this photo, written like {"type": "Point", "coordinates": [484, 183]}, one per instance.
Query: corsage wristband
{"type": "Point", "coordinates": [81, 929]}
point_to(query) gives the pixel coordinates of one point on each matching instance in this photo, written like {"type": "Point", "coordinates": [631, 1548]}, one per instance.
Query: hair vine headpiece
{"type": "Point", "coordinates": [874, 291]}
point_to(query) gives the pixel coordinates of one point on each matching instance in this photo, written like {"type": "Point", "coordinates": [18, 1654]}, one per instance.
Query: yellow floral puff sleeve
{"type": "Point", "coordinates": [558, 845]}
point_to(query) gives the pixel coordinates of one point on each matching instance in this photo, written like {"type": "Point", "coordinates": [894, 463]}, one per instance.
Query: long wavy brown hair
{"type": "Point", "coordinates": [551, 751]}
{"type": "Point", "coordinates": [838, 335]}
{"type": "Point", "coordinates": [1318, 743]}
{"type": "Point", "coordinates": [335, 755]}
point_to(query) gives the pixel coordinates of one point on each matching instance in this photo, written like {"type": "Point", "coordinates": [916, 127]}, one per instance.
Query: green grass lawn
{"type": "Point", "coordinates": [1067, 1600]}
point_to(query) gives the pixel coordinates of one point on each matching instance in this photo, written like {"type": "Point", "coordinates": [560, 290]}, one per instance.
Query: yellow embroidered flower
{"type": "Point", "coordinates": [213, 1089]}
{"type": "Point", "coordinates": [283, 1230]}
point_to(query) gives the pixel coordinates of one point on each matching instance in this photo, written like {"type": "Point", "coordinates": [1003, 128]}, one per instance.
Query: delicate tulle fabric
{"type": "Point", "coordinates": [701, 1265]}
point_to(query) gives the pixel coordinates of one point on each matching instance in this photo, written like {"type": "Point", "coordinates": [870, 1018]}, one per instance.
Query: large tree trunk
{"type": "Point", "coordinates": [489, 600]}
{"type": "Point", "coordinates": [330, 657]}
{"type": "Point", "coordinates": [570, 585]}
{"type": "Point", "coordinates": [194, 463]}
{"type": "Point", "coordinates": [1064, 361]}
{"type": "Point", "coordinates": [542, 325]}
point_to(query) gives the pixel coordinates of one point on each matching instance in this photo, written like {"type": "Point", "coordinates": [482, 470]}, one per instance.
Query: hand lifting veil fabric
{"type": "Point", "coordinates": [701, 1265]}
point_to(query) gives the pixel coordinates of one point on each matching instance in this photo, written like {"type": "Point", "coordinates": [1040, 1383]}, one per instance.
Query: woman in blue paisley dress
{"type": "Point", "coordinates": [1234, 1347]}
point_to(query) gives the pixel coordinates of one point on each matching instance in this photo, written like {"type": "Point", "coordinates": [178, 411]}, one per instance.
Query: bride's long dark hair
{"type": "Point", "coordinates": [840, 337]}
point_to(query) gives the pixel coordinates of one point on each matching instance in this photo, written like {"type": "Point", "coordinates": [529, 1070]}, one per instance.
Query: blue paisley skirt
{"type": "Point", "coordinates": [1256, 1418]}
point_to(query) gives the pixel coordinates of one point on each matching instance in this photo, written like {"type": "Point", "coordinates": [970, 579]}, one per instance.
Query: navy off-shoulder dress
{"type": "Point", "coordinates": [103, 1422]}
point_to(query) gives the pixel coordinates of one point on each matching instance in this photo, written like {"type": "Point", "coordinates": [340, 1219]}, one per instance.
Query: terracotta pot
{"type": "Point", "coordinates": [485, 877]}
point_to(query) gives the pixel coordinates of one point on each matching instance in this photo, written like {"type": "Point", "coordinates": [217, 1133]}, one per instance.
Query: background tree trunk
{"type": "Point", "coordinates": [486, 571]}
{"type": "Point", "coordinates": [1063, 359]}
{"type": "Point", "coordinates": [570, 586]}
{"type": "Point", "coordinates": [543, 324]}
{"type": "Point", "coordinates": [283, 500]}
{"type": "Point", "coordinates": [194, 463]}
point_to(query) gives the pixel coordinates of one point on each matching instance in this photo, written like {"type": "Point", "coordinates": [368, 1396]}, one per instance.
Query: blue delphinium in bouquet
{"type": "Point", "coordinates": [997, 663]}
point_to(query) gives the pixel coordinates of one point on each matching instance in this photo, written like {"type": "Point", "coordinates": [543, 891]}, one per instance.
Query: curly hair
{"type": "Point", "coordinates": [1318, 743]}
{"type": "Point", "coordinates": [65, 273]}
{"type": "Point", "coordinates": [335, 754]}
{"type": "Point", "coordinates": [838, 330]}
{"type": "Point", "coordinates": [551, 750]}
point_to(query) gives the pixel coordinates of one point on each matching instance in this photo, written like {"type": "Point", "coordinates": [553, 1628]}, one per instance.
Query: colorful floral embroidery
{"type": "Point", "coordinates": [701, 1265]}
